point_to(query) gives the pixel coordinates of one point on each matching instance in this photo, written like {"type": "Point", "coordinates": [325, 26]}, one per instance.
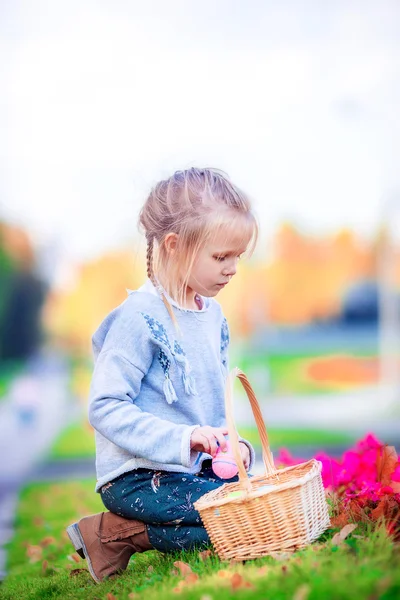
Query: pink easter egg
{"type": "Point", "coordinates": [224, 464]}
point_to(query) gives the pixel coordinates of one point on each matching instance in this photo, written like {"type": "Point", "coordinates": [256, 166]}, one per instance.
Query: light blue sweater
{"type": "Point", "coordinates": [152, 387]}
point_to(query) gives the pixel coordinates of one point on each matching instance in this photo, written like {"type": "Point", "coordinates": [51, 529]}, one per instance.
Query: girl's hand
{"type": "Point", "coordinates": [206, 439]}
{"type": "Point", "coordinates": [245, 452]}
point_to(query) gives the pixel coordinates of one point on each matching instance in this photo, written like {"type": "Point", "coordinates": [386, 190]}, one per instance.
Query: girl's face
{"type": "Point", "coordinates": [216, 264]}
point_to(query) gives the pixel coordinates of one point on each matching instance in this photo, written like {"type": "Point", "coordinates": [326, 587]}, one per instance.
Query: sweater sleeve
{"type": "Point", "coordinates": [123, 361]}
{"type": "Point", "coordinates": [251, 450]}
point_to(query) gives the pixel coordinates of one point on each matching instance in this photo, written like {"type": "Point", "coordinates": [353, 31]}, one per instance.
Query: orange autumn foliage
{"type": "Point", "coordinates": [73, 315]}
{"type": "Point", "coordinates": [308, 276]}
{"type": "Point", "coordinates": [303, 278]}
{"type": "Point", "coordinates": [17, 244]}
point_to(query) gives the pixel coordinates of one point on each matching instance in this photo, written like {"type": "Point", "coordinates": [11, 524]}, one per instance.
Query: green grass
{"type": "Point", "coordinates": [285, 438]}
{"type": "Point", "coordinates": [76, 441]}
{"type": "Point", "coordinates": [287, 372]}
{"type": "Point", "coordinates": [364, 567]}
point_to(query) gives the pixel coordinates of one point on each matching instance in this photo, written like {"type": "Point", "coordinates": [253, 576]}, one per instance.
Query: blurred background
{"type": "Point", "coordinates": [298, 103]}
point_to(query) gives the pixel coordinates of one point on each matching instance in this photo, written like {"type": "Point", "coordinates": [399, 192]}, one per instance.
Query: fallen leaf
{"type": "Point", "coordinates": [356, 512]}
{"type": "Point", "coordinates": [205, 554]}
{"type": "Point", "coordinates": [340, 520]}
{"type": "Point", "coordinates": [336, 540]}
{"type": "Point", "coordinates": [395, 485]}
{"type": "Point", "coordinates": [45, 565]}
{"type": "Point", "coordinates": [223, 574]}
{"type": "Point", "coordinates": [76, 572]}
{"type": "Point", "coordinates": [339, 537]}
{"type": "Point", "coordinates": [191, 578]}
{"type": "Point", "coordinates": [47, 541]}
{"type": "Point", "coordinates": [150, 569]}
{"type": "Point", "coordinates": [347, 529]}
{"type": "Point", "coordinates": [111, 596]}
{"type": "Point", "coordinates": [74, 557]}
{"type": "Point", "coordinates": [379, 510]}
{"type": "Point", "coordinates": [183, 568]}
{"type": "Point", "coordinates": [179, 587]}
{"type": "Point", "coordinates": [302, 592]}
{"type": "Point", "coordinates": [34, 553]}
{"type": "Point", "coordinates": [386, 464]}
{"type": "Point", "coordinates": [238, 582]}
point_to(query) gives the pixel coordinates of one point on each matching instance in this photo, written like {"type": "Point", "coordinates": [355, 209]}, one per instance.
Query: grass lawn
{"type": "Point", "coordinates": [291, 374]}
{"type": "Point", "coordinates": [76, 441]}
{"type": "Point", "coordinates": [286, 438]}
{"type": "Point", "coordinates": [42, 564]}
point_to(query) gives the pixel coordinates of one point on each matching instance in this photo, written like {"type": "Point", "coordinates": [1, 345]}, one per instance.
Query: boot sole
{"type": "Point", "coordinates": [76, 538]}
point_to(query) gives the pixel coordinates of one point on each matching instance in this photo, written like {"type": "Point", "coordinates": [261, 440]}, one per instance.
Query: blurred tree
{"type": "Point", "coordinates": [361, 303]}
{"type": "Point", "coordinates": [20, 331]}
{"type": "Point", "coordinates": [72, 316]}
{"type": "Point", "coordinates": [21, 295]}
{"type": "Point", "coordinates": [7, 269]}
{"type": "Point", "coordinates": [305, 278]}
{"type": "Point", "coordinates": [308, 275]}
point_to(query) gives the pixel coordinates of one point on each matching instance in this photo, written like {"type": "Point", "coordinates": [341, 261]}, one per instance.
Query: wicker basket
{"type": "Point", "coordinates": [281, 510]}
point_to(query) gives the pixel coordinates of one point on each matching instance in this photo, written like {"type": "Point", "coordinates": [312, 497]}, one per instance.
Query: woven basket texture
{"type": "Point", "coordinates": [284, 509]}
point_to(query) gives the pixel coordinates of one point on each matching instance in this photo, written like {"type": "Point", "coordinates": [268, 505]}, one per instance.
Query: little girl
{"type": "Point", "coordinates": [157, 392]}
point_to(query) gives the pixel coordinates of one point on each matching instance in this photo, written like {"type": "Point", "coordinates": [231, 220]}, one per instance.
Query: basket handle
{"type": "Point", "coordinates": [268, 460]}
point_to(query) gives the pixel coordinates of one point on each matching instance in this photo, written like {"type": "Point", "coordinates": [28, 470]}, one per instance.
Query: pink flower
{"type": "Point", "coordinates": [385, 489]}
{"type": "Point", "coordinates": [396, 473]}
{"type": "Point", "coordinates": [354, 475]}
{"type": "Point", "coordinates": [369, 442]}
{"type": "Point", "coordinates": [330, 470]}
{"type": "Point", "coordinates": [286, 459]}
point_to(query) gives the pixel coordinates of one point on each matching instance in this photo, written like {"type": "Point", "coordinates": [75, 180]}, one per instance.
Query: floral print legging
{"type": "Point", "coordinates": [164, 501]}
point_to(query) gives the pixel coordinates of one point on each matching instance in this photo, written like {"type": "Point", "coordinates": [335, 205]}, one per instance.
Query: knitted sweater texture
{"type": "Point", "coordinates": [152, 386]}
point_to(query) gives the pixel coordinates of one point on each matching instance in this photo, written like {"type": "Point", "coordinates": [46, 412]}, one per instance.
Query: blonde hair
{"type": "Point", "coordinates": [195, 204]}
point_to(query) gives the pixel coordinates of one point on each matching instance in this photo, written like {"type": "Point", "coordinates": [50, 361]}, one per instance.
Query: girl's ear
{"type": "Point", "coordinates": [170, 242]}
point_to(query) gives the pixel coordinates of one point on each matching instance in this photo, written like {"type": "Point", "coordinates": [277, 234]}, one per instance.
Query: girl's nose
{"type": "Point", "coordinates": [230, 269]}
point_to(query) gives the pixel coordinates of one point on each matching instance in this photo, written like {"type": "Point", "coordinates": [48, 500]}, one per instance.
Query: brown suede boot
{"type": "Point", "coordinates": [107, 541]}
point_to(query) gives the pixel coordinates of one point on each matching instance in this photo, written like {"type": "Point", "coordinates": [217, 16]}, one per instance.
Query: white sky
{"type": "Point", "coordinates": [297, 101]}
